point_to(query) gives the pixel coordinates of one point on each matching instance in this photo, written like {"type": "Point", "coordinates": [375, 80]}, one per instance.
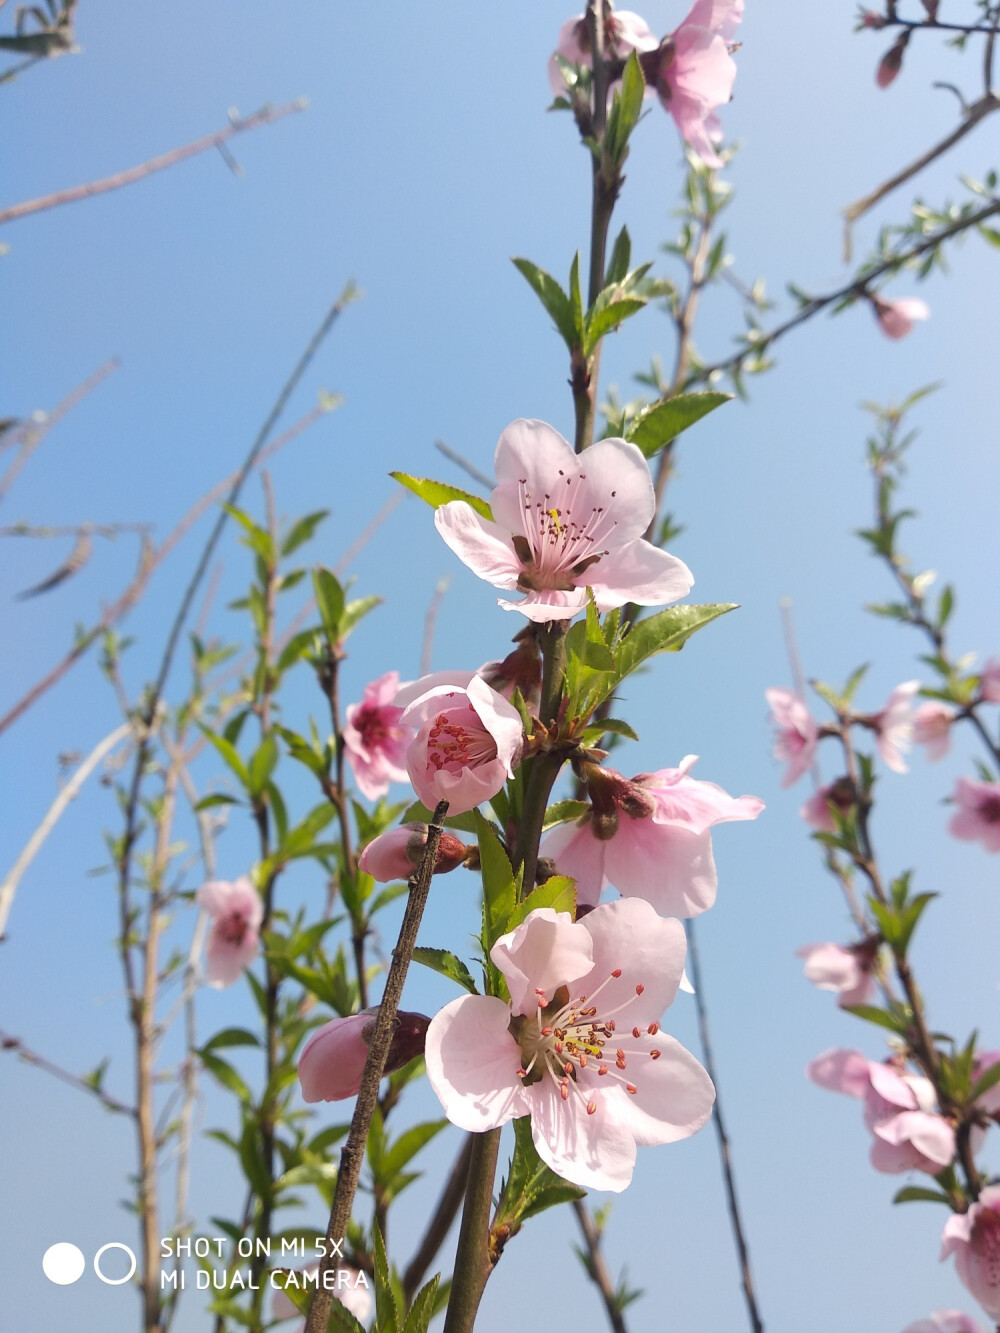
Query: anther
{"type": "Point", "coordinates": [630, 1087]}
{"type": "Point", "coordinates": [636, 1032]}
{"type": "Point", "coordinates": [640, 988]}
{"type": "Point", "coordinates": [654, 1055]}
{"type": "Point", "coordinates": [653, 1029]}
{"type": "Point", "coordinates": [617, 972]}
{"type": "Point", "coordinates": [591, 1106]}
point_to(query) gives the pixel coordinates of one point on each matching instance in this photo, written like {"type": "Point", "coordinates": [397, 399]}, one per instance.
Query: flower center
{"type": "Point", "coordinates": [231, 928]}
{"type": "Point", "coordinates": [456, 742]}
{"type": "Point", "coordinates": [562, 536]}
{"type": "Point", "coordinates": [371, 727]}
{"type": "Point", "coordinates": [989, 808]}
{"type": "Point", "coordinates": [985, 1241]}
{"type": "Point", "coordinates": [574, 1043]}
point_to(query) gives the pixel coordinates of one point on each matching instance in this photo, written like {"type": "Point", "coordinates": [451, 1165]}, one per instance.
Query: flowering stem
{"type": "Point", "coordinates": [352, 1153]}
{"type": "Point", "coordinates": [473, 1261]}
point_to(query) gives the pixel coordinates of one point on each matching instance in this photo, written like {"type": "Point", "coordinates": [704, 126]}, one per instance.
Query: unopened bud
{"type": "Point", "coordinates": [397, 853]}
{"type": "Point", "coordinates": [333, 1060]}
{"type": "Point", "coordinates": [892, 62]}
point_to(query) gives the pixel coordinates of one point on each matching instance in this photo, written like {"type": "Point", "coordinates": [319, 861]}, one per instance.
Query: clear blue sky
{"type": "Point", "coordinates": [425, 160]}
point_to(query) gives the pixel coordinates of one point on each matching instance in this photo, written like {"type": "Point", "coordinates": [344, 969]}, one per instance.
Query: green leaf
{"type": "Point", "coordinates": [437, 493]}
{"type": "Point", "coordinates": [231, 1037]}
{"type": "Point", "coordinates": [621, 257]}
{"type": "Point", "coordinates": [353, 612]}
{"type": "Point", "coordinates": [448, 964]}
{"type": "Point", "coordinates": [558, 892]}
{"type": "Point", "coordinates": [302, 531]}
{"type": "Point", "coordinates": [499, 892]}
{"type": "Point", "coordinates": [296, 648]}
{"type": "Point", "coordinates": [262, 765]}
{"type": "Point", "coordinates": [552, 297]}
{"type": "Point", "coordinates": [226, 1075]}
{"type": "Point", "coordinates": [256, 538]}
{"type": "Point", "coordinates": [419, 814]}
{"type": "Point", "coordinates": [228, 753]}
{"type": "Point", "coordinates": [423, 1308]}
{"type": "Point", "coordinates": [562, 812]}
{"type": "Point", "coordinates": [608, 318]}
{"type": "Point", "coordinates": [576, 298]}
{"type": "Point", "coordinates": [217, 798]}
{"type": "Point", "coordinates": [986, 1081]}
{"type": "Point", "coordinates": [917, 1194]}
{"type": "Point", "coordinates": [625, 111]}
{"type": "Point", "coordinates": [386, 1310]}
{"type": "Point", "coordinates": [662, 422]}
{"type": "Point", "coordinates": [330, 601]}
{"type": "Point", "coordinates": [872, 1014]}
{"type": "Point", "coordinates": [408, 1145]}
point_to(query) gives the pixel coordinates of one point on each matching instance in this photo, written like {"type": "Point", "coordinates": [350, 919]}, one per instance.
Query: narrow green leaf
{"type": "Point", "coordinates": [262, 765]}
{"type": "Point", "coordinates": [228, 753]}
{"type": "Point", "coordinates": [871, 1014]}
{"type": "Point", "coordinates": [662, 422]}
{"type": "Point", "coordinates": [552, 297]}
{"type": "Point", "coordinates": [302, 531]}
{"type": "Point", "coordinates": [499, 893]}
{"type": "Point", "coordinates": [621, 257]}
{"type": "Point", "coordinates": [608, 318]}
{"type": "Point", "coordinates": [564, 811]}
{"type": "Point", "coordinates": [437, 493]}
{"type": "Point", "coordinates": [558, 892]}
{"type": "Point", "coordinates": [330, 601]}
{"type": "Point", "coordinates": [423, 1308]}
{"type": "Point", "coordinates": [448, 964]}
{"type": "Point", "coordinates": [231, 1037]}
{"type": "Point", "coordinates": [408, 1145]}
{"type": "Point", "coordinates": [917, 1194]}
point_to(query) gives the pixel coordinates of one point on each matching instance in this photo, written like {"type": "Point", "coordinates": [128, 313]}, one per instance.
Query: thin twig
{"type": "Point", "coordinates": [430, 620]}
{"type": "Point", "coordinates": [728, 1176]}
{"type": "Point", "coordinates": [150, 559]}
{"type": "Point", "coordinates": [34, 432]}
{"type": "Point", "coordinates": [464, 464]}
{"type": "Point", "coordinates": [9, 1043]}
{"type": "Point", "coordinates": [267, 115]}
{"type": "Point", "coordinates": [352, 1153]}
{"type": "Point", "coordinates": [369, 532]}
{"type": "Point", "coordinates": [440, 1223]}
{"type": "Point", "coordinates": [55, 812]}
{"type": "Point", "coordinates": [974, 114]}
{"type": "Point", "coordinates": [597, 1268]}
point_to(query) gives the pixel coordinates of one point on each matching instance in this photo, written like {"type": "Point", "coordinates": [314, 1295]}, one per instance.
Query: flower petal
{"type": "Point", "coordinates": [546, 951]}
{"type": "Point", "coordinates": [472, 1063]}
{"type": "Point", "coordinates": [478, 543]}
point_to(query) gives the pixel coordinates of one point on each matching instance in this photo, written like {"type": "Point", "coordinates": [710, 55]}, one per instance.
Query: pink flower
{"type": "Point", "coordinates": [974, 1239]}
{"type": "Point", "coordinates": [578, 1048]}
{"type": "Point", "coordinates": [899, 1110]}
{"type": "Point", "coordinates": [468, 739]}
{"type": "Point", "coordinates": [649, 838]}
{"type": "Point", "coordinates": [945, 1321]}
{"type": "Point", "coordinates": [333, 1059]}
{"type": "Point", "coordinates": [847, 971]}
{"type": "Point", "coordinates": [396, 854]}
{"type": "Point", "coordinates": [894, 726]}
{"type": "Point", "coordinates": [563, 523]}
{"type": "Point", "coordinates": [624, 32]}
{"type": "Point", "coordinates": [816, 811]}
{"type": "Point", "coordinates": [932, 727]}
{"type": "Point", "coordinates": [374, 741]}
{"type": "Point", "coordinates": [989, 681]}
{"type": "Point", "coordinates": [348, 1285]}
{"type": "Point", "coordinates": [978, 813]}
{"type": "Point", "coordinates": [695, 73]}
{"type": "Point", "coordinates": [233, 940]}
{"type": "Point", "coordinates": [895, 318]}
{"type": "Point", "coordinates": [795, 743]}
{"type": "Point", "coordinates": [989, 1101]}
{"type": "Point", "coordinates": [520, 669]}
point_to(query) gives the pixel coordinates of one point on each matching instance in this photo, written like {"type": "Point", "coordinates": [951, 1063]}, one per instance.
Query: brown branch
{"type": "Point", "coordinates": [9, 1043]}
{"type": "Point", "coordinates": [34, 432]}
{"type": "Point", "coordinates": [352, 1153]}
{"type": "Point", "coordinates": [463, 463]}
{"type": "Point", "coordinates": [735, 1219]}
{"type": "Point", "coordinates": [441, 1221]}
{"type": "Point", "coordinates": [430, 620]}
{"type": "Point", "coordinates": [596, 1267]}
{"type": "Point", "coordinates": [267, 115]}
{"type": "Point", "coordinates": [974, 114]}
{"type": "Point", "coordinates": [151, 558]}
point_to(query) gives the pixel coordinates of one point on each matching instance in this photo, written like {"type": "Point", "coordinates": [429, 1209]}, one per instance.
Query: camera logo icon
{"type": "Point", "coordinates": [63, 1263]}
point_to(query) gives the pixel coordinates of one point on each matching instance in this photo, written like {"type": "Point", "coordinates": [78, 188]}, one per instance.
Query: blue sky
{"type": "Point", "coordinates": [424, 161]}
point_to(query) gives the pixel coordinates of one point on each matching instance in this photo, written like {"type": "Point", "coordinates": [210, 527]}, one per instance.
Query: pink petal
{"type": "Point", "coordinates": [478, 543]}
{"type": "Point", "coordinates": [649, 950]}
{"type": "Point", "coordinates": [673, 1099]}
{"type": "Point", "coordinates": [639, 572]}
{"type": "Point", "coordinates": [576, 852]}
{"type": "Point", "coordinates": [472, 1063]}
{"type": "Point", "coordinates": [593, 1151]}
{"type": "Point", "coordinates": [546, 951]}
{"type": "Point", "coordinates": [840, 1070]}
{"type": "Point", "coordinates": [333, 1059]}
{"type": "Point", "coordinates": [672, 868]}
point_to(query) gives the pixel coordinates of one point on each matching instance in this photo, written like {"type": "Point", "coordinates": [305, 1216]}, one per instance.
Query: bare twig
{"type": "Point", "coordinates": [369, 532]}
{"type": "Point", "coordinates": [352, 1153]}
{"type": "Point", "coordinates": [464, 464]}
{"type": "Point", "coordinates": [55, 812]}
{"type": "Point", "coordinates": [14, 1044]}
{"type": "Point", "coordinates": [34, 432]}
{"type": "Point", "coordinates": [596, 1267]}
{"type": "Point", "coordinates": [430, 620]}
{"type": "Point", "coordinates": [728, 1176]}
{"type": "Point", "coordinates": [974, 114]}
{"type": "Point", "coordinates": [267, 115]}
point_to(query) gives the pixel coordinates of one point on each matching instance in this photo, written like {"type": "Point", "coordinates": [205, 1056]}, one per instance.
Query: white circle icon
{"type": "Point", "coordinates": [114, 1245]}
{"type": "Point", "coordinates": [63, 1263]}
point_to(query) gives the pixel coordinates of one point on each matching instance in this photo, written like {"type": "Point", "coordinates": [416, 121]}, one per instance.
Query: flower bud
{"type": "Point", "coordinates": [521, 669]}
{"type": "Point", "coordinates": [397, 853]}
{"type": "Point", "coordinates": [892, 62]}
{"type": "Point", "coordinates": [333, 1059]}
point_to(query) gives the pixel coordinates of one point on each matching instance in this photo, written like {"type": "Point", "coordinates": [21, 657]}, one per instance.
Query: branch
{"type": "Point", "coordinates": [463, 463]}
{"type": "Point", "coordinates": [35, 432]}
{"type": "Point", "coordinates": [596, 1266]}
{"type": "Point", "coordinates": [720, 1131]}
{"type": "Point", "coordinates": [430, 620]}
{"type": "Point", "coordinates": [267, 115]}
{"type": "Point", "coordinates": [55, 812]}
{"type": "Point", "coordinates": [352, 1153]}
{"type": "Point", "coordinates": [975, 113]}
{"type": "Point", "coordinates": [9, 1043]}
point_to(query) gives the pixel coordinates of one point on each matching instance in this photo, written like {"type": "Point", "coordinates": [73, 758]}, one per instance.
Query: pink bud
{"type": "Point", "coordinates": [895, 318]}
{"type": "Point", "coordinates": [892, 62]}
{"type": "Point", "coordinates": [333, 1059]}
{"type": "Point", "coordinates": [989, 681]}
{"type": "Point", "coordinates": [396, 854]}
